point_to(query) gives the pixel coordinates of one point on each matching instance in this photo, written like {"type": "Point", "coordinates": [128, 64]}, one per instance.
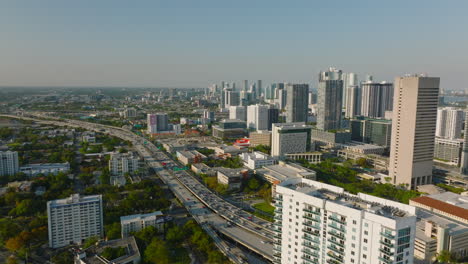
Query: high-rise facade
{"type": "Point", "coordinates": [290, 138]}
{"type": "Point", "coordinates": [449, 122]}
{"type": "Point", "coordinates": [349, 79]}
{"type": "Point", "coordinates": [122, 163]}
{"type": "Point", "coordinates": [353, 101]}
{"type": "Point", "coordinates": [157, 123]}
{"type": "Point", "coordinates": [320, 224]}
{"type": "Point", "coordinates": [330, 99]}
{"type": "Point", "coordinates": [372, 131]}
{"type": "Point", "coordinates": [238, 112]}
{"type": "Point", "coordinates": [210, 115]}
{"type": "Point", "coordinates": [257, 117]}
{"type": "Point", "coordinates": [464, 159]}
{"type": "Point", "coordinates": [9, 164]}
{"type": "Point", "coordinates": [245, 85]}
{"type": "Point", "coordinates": [259, 88]}
{"type": "Point", "coordinates": [297, 102]}
{"type": "Point", "coordinates": [413, 130]}
{"type": "Point", "coordinates": [74, 219]}
{"type": "Point", "coordinates": [232, 98]}
{"type": "Point", "coordinates": [376, 98]}
{"type": "Point", "coordinates": [273, 116]}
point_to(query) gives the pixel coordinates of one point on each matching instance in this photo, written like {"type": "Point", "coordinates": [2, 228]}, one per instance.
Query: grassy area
{"type": "Point", "coordinates": [265, 207]}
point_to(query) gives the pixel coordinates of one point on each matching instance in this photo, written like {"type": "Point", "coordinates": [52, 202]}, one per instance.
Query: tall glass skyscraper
{"type": "Point", "coordinates": [330, 99]}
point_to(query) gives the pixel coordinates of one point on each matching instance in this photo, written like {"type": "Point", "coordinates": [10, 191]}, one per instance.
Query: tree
{"type": "Point", "coordinates": [174, 236]}
{"type": "Point", "coordinates": [157, 252]}
{"type": "Point", "coordinates": [64, 257]}
{"type": "Point", "coordinates": [12, 260]}
{"type": "Point", "coordinates": [90, 241]}
{"type": "Point", "coordinates": [113, 231]}
{"type": "Point", "coordinates": [446, 256]}
{"type": "Point", "coordinates": [253, 183]}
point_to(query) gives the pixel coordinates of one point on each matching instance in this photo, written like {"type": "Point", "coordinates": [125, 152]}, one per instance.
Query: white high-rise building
{"type": "Point", "coordinates": [122, 163]}
{"type": "Point", "coordinates": [74, 219]}
{"type": "Point", "coordinates": [413, 130]}
{"type": "Point", "coordinates": [290, 138]}
{"type": "Point", "coordinates": [376, 98]}
{"type": "Point", "coordinates": [349, 79]}
{"type": "Point", "coordinates": [320, 223]}
{"type": "Point", "coordinates": [238, 112]}
{"type": "Point", "coordinates": [232, 98]}
{"type": "Point", "coordinates": [257, 117]}
{"type": "Point", "coordinates": [353, 101]}
{"type": "Point", "coordinates": [157, 123]}
{"type": "Point", "coordinates": [449, 122]}
{"type": "Point", "coordinates": [9, 164]}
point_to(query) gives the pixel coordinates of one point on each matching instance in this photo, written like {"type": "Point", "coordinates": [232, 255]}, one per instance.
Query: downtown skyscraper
{"type": "Point", "coordinates": [413, 130]}
{"type": "Point", "coordinates": [330, 99]}
{"type": "Point", "coordinates": [297, 102]}
{"type": "Point", "coordinates": [376, 98]}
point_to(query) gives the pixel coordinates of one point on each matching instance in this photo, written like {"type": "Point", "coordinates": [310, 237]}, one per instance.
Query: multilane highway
{"type": "Point", "coordinates": [249, 231]}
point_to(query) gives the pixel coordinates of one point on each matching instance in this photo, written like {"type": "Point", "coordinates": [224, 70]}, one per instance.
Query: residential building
{"type": "Point", "coordinates": [376, 98]}
{"type": "Point", "coordinates": [122, 163]}
{"type": "Point", "coordinates": [129, 113]}
{"type": "Point", "coordinates": [290, 138]}
{"type": "Point", "coordinates": [281, 96]}
{"type": "Point", "coordinates": [238, 112]}
{"type": "Point", "coordinates": [311, 157]}
{"type": "Point", "coordinates": [321, 223]}
{"type": "Point", "coordinates": [257, 117]}
{"type": "Point", "coordinates": [33, 170]}
{"type": "Point", "coordinates": [448, 151]}
{"type": "Point", "coordinates": [372, 131]}
{"type": "Point", "coordinates": [353, 101]}
{"type": "Point", "coordinates": [157, 123]}
{"type": "Point", "coordinates": [200, 168]}
{"type": "Point", "coordinates": [9, 164]}
{"type": "Point", "coordinates": [349, 80]}
{"type": "Point", "coordinates": [190, 156]}
{"type": "Point", "coordinates": [297, 102]}
{"type": "Point", "coordinates": [273, 117]}
{"type": "Point", "coordinates": [464, 160]}
{"type": "Point", "coordinates": [449, 122]}
{"type": "Point", "coordinates": [330, 99]}
{"type": "Point", "coordinates": [257, 160]}
{"type": "Point", "coordinates": [229, 129]}
{"type": "Point", "coordinates": [137, 222]}
{"type": "Point", "coordinates": [74, 219]}
{"type": "Point", "coordinates": [209, 115]}
{"type": "Point", "coordinates": [88, 136]}
{"type": "Point", "coordinates": [232, 98]}
{"type": "Point", "coordinates": [413, 130]}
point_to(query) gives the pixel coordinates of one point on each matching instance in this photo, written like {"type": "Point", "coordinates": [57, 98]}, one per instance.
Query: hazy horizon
{"type": "Point", "coordinates": [183, 44]}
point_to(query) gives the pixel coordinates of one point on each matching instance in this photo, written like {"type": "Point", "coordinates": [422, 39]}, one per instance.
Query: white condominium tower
{"type": "Point", "coordinates": [449, 122]}
{"type": "Point", "coordinates": [290, 138]}
{"type": "Point", "coordinates": [257, 117]}
{"type": "Point", "coordinates": [74, 219]}
{"type": "Point", "coordinates": [317, 223]}
{"type": "Point", "coordinates": [413, 130]}
{"type": "Point", "coordinates": [238, 112]}
{"type": "Point", "coordinates": [8, 163]}
{"type": "Point", "coordinates": [376, 98]}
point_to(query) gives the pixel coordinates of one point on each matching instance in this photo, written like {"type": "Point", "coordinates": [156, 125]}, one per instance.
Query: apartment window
{"type": "Point", "coordinates": [364, 256]}
{"type": "Point", "coordinates": [297, 203]}
{"type": "Point", "coordinates": [352, 253]}
{"type": "Point", "coordinates": [353, 237]}
{"type": "Point", "coordinates": [365, 240]}
{"type": "Point", "coordinates": [366, 224]}
{"type": "Point", "coordinates": [366, 233]}
{"type": "Point", "coordinates": [354, 222]}
{"type": "Point", "coordinates": [352, 260]}
{"type": "Point", "coordinates": [353, 245]}
{"type": "Point", "coordinates": [354, 229]}
{"type": "Point", "coordinates": [365, 248]}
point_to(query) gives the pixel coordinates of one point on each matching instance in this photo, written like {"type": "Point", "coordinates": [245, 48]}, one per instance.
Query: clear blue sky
{"type": "Point", "coordinates": [193, 43]}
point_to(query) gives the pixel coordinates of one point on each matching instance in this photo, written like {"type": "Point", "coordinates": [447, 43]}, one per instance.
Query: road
{"type": "Point", "coordinates": [253, 233]}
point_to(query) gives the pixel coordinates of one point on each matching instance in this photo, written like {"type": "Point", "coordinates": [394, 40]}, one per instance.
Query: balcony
{"type": "Point", "coordinates": [278, 217]}
{"type": "Point", "coordinates": [339, 220]}
{"type": "Point", "coordinates": [311, 239]}
{"type": "Point", "coordinates": [335, 249]}
{"type": "Point", "coordinates": [388, 261]}
{"type": "Point", "coordinates": [311, 246]}
{"type": "Point", "coordinates": [278, 223]}
{"type": "Point", "coordinates": [278, 205]}
{"type": "Point", "coordinates": [276, 242]}
{"type": "Point", "coordinates": [311, 211]}
{"type": "Point", "coordinates": [338, 258]}
{"type": "Point", "coordinates": [336, 243]}
{"type": "Point", "coordinates": [277, 248]}
{"type": "Point", "coordinates": [277, 236]}
{"type": "Point", "coordinates": [387, 235]}
{"type": "Point", "coordinates": [312, 218]}
{"type": "Point", "coordinates": [311, 224]}
{"type": "Point", "coordinates": [386, 244]}
{"type": "Point", "coordinates": [312, 232]}
{"type": "Point", "coordinates": [342, 229]}
{"type": "Point", "coordinates": [308, 260]}
{"type": "Point", "coordinates": [278, 261]}
{"type": "Point", "coordinates": [386, 252]}
{"type": "Point", "coordinates": [310, 252]}
{"type": "Point", "coordinates": [338, 235]}
{"type": "Point", "coordinates": [332, 261]}
{"type": "Point", "coordinates": [277, 255]}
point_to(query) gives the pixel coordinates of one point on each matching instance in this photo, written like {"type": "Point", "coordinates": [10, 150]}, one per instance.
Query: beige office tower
{"type": "Point", "coordinates": [413, 130]}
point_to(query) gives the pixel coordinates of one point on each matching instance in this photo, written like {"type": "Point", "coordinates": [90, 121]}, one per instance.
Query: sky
{"type": "Point", "coordinates": [195, 43]}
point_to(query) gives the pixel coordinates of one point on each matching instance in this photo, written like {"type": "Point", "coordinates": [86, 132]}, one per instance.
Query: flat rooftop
{"type": "Point", "coordinates": [364, 202]}
{"type": "Point", "coordinates": [131, 218]}
{"type": "Point", "coordinates": [453, 227]}
{"type": "Point", "coordinates": [283, 172]}
{"type": "Point", "coordinates": [75, 199]}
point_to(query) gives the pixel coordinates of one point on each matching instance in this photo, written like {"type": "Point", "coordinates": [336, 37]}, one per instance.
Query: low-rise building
{"type": "Point", "coordinates": [95, 253]}
{"type": "Point", "coordinates": [231, 177]}
{"type": "Point", "coordinates": [190, 156]}
{"type": "Point", "coordinates": [122, 163]}
{"type": "Point", "coordinates": [137, 222]}
{"type": "Point", "coordinates": [378, 161]}
{"type": "Point", "coordinates": [257, 160]}
{"type": "Point", "coordinates": [88, 136]}
{"type": "Point", "coordinates": [362, 148]}
{"type": "Point", "coordinates": [311, 157]}
{"type": "Point", "coordinates": [448, 204]}
{"type": "Point", "coordinates": [9, 164]}
{"type": "Point", "coordinates": [230, 129]}
{"type": "Point", "coordinates": [200, 168]}
{"type": "Point", "coordinates": [275, 174]}
{"type": "Point", "coordinates": [330, 138]}
{"type": "Point", "coordinates": [261, 137]}
{"type": "Point", "coordinates": [33, 170]}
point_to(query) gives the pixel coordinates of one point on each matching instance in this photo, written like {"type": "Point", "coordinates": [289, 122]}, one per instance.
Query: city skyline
{"type": "Point", "coordinates": [154, 44]}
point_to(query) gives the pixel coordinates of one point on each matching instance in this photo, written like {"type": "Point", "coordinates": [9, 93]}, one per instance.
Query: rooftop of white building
{"type": "Point", "coordinates": [361, 201]}
{"type": "Point", "coordinates": [140, 217]}
{"type": "Point", "coordinates": [284, 171]}
{"type": "Point", "coordinates": [74, 199]}
{"type": "Point", "coordinates": [453, 227]}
